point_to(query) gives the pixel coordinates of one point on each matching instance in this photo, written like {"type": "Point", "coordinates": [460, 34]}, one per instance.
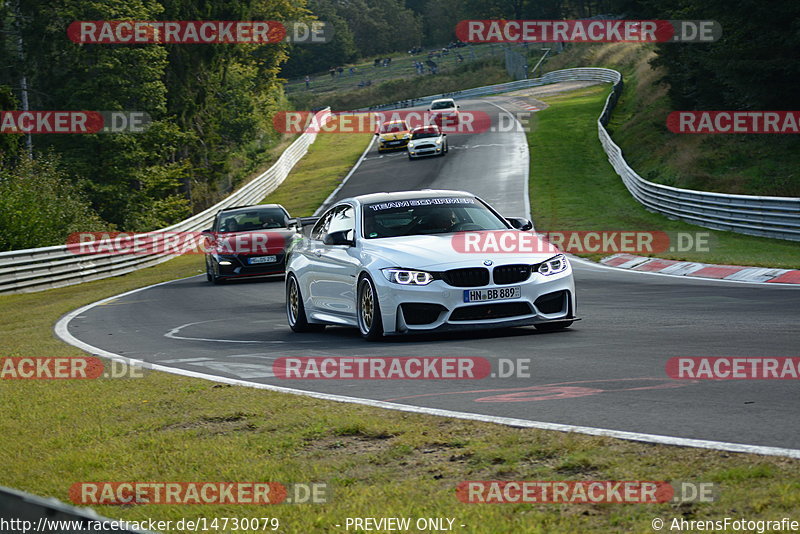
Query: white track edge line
{"type": "Point", "coordinates": [62, 331]}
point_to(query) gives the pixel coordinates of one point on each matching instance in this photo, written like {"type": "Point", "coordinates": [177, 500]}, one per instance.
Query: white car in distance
{"type": "Point", "coordinates": [427, 141]}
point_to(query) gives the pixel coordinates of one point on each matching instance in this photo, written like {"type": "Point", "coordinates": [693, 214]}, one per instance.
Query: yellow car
{"type": "Point", "coordinates": [393, 135]}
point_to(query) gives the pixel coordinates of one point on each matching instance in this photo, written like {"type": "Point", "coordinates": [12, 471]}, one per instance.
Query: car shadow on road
{"type": "Point", "coordinates": [345, 333]}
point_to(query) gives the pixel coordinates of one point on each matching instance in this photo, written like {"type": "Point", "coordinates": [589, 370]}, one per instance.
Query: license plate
{"type": "Point", "coordinates": [394, 142]}
{"type": "Point", "coordinates": [262, 259]}
{"type": "Point", "coordinates": [500, 293]}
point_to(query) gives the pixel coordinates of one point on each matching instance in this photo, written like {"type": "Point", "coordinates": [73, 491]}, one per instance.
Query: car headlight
{"type": "Point", "coordinates": [554, 265]}
{"type": "Point", "coordinates": [411, 144]}
{"type": "Point", "coordinates": [407, 136]}
{"type": "Point", "coordinates": [439, 141]}
{"type": "Point", "coordinates": [408, 277]}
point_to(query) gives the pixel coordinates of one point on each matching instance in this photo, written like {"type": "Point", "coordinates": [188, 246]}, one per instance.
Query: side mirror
{"type": "Point", "coordinates": [520, 223]}
{"type": "Point", "coordinates": [377, 134]}
{"type": "Point", "coordinates": [444, 135]}
{"type": "Point", "coordinates": [338, 238]}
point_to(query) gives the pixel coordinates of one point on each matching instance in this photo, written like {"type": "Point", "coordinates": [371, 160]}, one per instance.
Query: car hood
{"type": "Point", "coordinates": [442, 251]}
{"type": "Point", "coordinates": [393, 136]}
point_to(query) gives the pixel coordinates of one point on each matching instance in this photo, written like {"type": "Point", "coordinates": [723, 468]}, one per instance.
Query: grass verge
{"type": "Point", "coordinates": [475, 74]}
{"type": "Point", "coordinates": [319, 172]}
{"type": "Point", "coordinates": [168, 428]}
{"type": "Point", "coordinates": [401, 67]}
{"type": "Point", "coordinates": [573, 187]}
{"type": "Point", "coordinates": [755, 164]}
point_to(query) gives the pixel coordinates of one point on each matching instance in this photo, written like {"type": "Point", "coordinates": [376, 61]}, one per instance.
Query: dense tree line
{"type": "Point", "coordinates": [366, 28]}
{"type": "Point", "coordinates": [753, 66]}
{"type": "Point", "coordinates": [211, 106]}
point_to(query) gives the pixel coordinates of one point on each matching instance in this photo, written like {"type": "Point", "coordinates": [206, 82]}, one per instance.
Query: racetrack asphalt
{"type": "Point", "coordinates": [607, 371]}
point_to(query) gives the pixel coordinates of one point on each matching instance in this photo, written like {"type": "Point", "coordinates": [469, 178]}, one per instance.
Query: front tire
{"type": "Point", "coordinates": [368, 310]}
{"type": "Point", "coordinates": [296, 311]}
{"type": "Point", "coordinates": [211, 277]}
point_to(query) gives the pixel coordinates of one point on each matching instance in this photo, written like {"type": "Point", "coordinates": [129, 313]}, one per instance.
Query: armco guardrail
{"type": "Point", "coordinates": [775, 217]}
{"type": "Point", "coordinates": [36, 269]}
{"type": "Point", "coordinates": [23, 512]}
{"type": "Point", "coordinates": [583, 74]}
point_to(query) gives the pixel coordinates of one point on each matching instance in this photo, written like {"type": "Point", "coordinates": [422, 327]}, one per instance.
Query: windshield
{"type": "Point", "coordinates": [422, 216]}
{"type": "Point", "coordinates": [248, 221]}
{"type": "Point", "coordinates": [442, 105]}
{"type": "Point", "coordinates": [394, 127]}
{"type": "Point", "coordinates": [424, 135]}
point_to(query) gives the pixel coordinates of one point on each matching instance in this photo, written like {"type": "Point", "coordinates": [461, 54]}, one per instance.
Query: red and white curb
{"type": "Point", "coordinates": [703, 270]}
{"type": "Point", "coordinates": [522, 104]}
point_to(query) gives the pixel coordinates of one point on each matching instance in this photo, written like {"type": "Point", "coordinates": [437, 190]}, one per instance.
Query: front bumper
{"type": "Point", "coordinates": [426, 151]}
{"type": "Point", "coordinates": [394, 144]}
{"type": "Point", "coordinates": [239, 268]}
{"type": "Point", "coordinates": [440, 307]}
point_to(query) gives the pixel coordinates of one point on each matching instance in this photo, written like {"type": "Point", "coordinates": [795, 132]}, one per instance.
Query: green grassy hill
{"type": "Point", "coordinates": [744, 164]}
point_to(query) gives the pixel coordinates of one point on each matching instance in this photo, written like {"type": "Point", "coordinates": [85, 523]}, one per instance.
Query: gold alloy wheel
{"type": "Point", "coordinates": [367, 307]}
{"type": "Point", "coordinates": [293, 301]}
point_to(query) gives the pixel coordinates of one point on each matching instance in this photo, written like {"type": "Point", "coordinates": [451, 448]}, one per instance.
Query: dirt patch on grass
{"type": "Point", "coordinates": [552, 89]}
{"type": "Point", "coordinates": [215, 425]}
